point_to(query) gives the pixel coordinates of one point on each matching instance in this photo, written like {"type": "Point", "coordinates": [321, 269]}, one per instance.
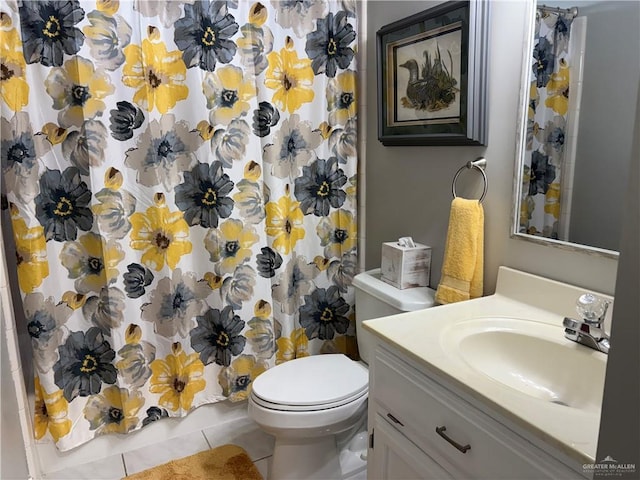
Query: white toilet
{"type": "Point", "coordinates": [305, 403]}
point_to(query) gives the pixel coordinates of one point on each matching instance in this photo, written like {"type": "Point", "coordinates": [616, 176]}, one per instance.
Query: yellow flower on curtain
{"type": "Point", "coordinates": [228, 94]}
{"type": "Point", "coordinates": [230, 244]}
{"type": "Point", "coordinates": [114, 410]}
{"type": "Point", "coordinates": [342, 98]}
{"type": "Point", "coordinates": [558, 90]}
{"type": "Point", "coordinates": [50, 413]}
{"type": "Point", "coordinates": [294, 346]}
{"type": "Point", "coordinates": [13, 84]}
{"type": "Point", "coordinates": [291, 78]}
{"type": "Point", "coordinates": [108, 7]}
{"type": "Point", "coordinates": [31, 253]}
{"type": "Point", "coordinates": [92, 261]}
{"type": "Point", "coordinates": [236, 379]}
{"type": "Point", "coordinates": [285, 223]}
{"type": "Point", "coordinates": [162, 234]}
{"type": "Point", "coordinates": [157, 75]}
{"type": "Point", "coordinates": [552, 200]}
{"type": "Point", "coordinates": [78, 90]}
{"type": "Point", "coordinates": [177, 379]}
{"type": "Point", "coordinates": [338, 233]}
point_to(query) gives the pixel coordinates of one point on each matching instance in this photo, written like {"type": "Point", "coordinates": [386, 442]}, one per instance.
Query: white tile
{"type": "Point", "coordinates": [246, 434]}
{"type": "Point", "coordinates": [263, 467]}
{"type": "Point", "coordinates": [110, 468]}
{"type": "Point", "coordinates": [165, 451]}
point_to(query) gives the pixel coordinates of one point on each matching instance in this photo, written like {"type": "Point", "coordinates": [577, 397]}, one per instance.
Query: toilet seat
{"type": "Point", "coordinates": [313, 383]}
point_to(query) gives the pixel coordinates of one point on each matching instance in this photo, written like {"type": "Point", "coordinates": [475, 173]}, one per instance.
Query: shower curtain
{"type": "Point", "coordinates": [181, 177]}
{"type": "Point", "coordinates": [546, 124]}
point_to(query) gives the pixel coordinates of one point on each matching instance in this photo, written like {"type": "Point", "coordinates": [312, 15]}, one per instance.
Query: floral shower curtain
{"type": "Point", "coordinates": [547, 117]}
{"type": "Point", "coordinates": [181, 178]}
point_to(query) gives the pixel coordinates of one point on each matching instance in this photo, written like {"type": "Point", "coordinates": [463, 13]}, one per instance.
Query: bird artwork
{"type": "Point", "coordinates": [432, 87]}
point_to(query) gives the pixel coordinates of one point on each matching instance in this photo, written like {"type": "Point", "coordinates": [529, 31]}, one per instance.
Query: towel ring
{"type": "Point", "coordinates": [479, 164]}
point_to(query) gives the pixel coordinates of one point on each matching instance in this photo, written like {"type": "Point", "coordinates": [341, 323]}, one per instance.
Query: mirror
{"type": "Point", "coordinates": [576, 124]}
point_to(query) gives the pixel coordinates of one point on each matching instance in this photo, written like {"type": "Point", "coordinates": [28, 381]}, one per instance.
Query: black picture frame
{"type": "Point", "coordinates": [432, 76]}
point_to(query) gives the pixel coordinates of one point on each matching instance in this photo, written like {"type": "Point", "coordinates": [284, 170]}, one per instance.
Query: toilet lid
{"type": "Point", "coordinates": [311, 383]}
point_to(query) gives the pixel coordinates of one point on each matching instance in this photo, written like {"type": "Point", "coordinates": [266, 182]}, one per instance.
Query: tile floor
{"type": "Point", "coordinates": [240, 431]}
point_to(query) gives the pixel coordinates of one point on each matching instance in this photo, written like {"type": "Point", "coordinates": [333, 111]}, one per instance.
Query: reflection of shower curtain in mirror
{"type": "Point", "coordinates": [546, 124]}
{"type": "Point", "coordinates": [181, 178]}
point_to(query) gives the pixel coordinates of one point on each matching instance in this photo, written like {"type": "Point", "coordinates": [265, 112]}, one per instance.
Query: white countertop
{"type": "Point", "coordinates": [423, 336]}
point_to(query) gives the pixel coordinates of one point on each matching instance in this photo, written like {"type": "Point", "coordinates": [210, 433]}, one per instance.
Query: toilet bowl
{"type": "Point", "coordinates": [309, 403]}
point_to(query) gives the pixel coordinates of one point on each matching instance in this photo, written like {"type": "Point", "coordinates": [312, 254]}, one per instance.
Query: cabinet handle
{"type": "Point", "coordinates": [463, 448]}
{"type": "Point", "coordinates": [395, 420]}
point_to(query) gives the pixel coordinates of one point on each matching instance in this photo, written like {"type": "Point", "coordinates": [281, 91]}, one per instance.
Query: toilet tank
{"type": "Point", "coordinates": [375, 299]}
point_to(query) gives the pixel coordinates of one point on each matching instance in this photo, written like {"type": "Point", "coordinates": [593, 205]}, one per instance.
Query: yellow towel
{"type": "Point", "coordinates": [462, 269]}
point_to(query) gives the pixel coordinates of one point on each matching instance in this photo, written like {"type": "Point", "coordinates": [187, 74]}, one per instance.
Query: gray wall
{"type": "Point", "coordinates": [606, 131]}
{"type": "Point", "coordinates": [620, 421]}
{"type": "Point", "coordinates": [408, 189]}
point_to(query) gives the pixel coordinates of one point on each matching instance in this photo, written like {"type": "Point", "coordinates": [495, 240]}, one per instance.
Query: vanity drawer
{"type": "Point", "coordinates": [416, 406]}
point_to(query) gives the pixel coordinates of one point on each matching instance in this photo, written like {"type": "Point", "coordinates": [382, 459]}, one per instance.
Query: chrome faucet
{"type": "Point", "coordinates": [590, 330]}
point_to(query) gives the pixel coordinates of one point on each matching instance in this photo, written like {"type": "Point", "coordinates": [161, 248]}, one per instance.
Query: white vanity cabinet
{"type": "Point", "coordinates": [420, 429]}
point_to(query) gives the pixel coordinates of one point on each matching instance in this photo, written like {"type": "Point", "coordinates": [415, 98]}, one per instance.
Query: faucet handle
{"type": "Point", "coordinates": [591, 308]}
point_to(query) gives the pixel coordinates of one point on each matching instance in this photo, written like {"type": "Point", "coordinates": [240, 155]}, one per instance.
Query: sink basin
{"type": "Point", "coordinates": [531, 357]}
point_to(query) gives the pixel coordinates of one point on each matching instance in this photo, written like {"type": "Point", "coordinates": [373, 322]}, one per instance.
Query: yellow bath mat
{"type": "Point", "coordinates": [227, 462]}
{"type": "Point", "coordinates": [463, 266]}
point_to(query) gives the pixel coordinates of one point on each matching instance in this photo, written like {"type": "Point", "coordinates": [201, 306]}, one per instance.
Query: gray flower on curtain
{"type": "Point", "coordinates": [292, 147]}
{"type": "Point", "coordinates": [20, 150]}
{"type": "Point", "coordinates": [154, 414]}
{"type": "Point", "coordinates": [217, 338]}
{"type": "Point", "coordinates": [48, 30]}
{"type": "Point", "coordinates": [268, 262]}
{"type": "Point", "coordinates": [86, 147]}
{"type": "Point", "coordinates": [106, 36]}
{"type": "Point", "coordinates": [254, 46]}
{"type": "Point", "coordinates": [342, 271]}
{"type": "Point", "coordinates": [545, 62]}
{"type": "Point", "coordinates": [44, 318]}
{"type": "Point", "coordinates": [265, 117]}
{"type": "Point", "coordinates": [328, 46]}
{"type": "Point", "coordinates": [542, 173]}
{"type": "Point", "coordinates": [294, 282]}
{"type": "Point", "coordinates": [554, 138]}
{"type": "Point", "coordinates": [164, 150]}
{"type": "Point", "coordinates": [105, 310]}
{"type": "Point", "coordinates": [204, 34]}
{"type": "Point", "coordinates": [135, 279]}
{"type": "Point", "coordinates": [92, 261]}
{"type": "Point", "coordinates": [231, 144]}
{"type": "Point", "coordinates": [343, 141]}
{"type": "Point", "coordinates": [112, 212]}
{"type": "Point", "coordinates": [124, 120]}
{"type": "Point", "coordinates": [62, 206]}
{"type": "Point", "coordinates": [324, 314]}
{"type": "Point", "coordinates": [136, 357]}
{"type": "Point", "coordinates": [174, 303]}
{"type": "Point", "coordinates": [320, 187]}
{"type": "Point", "coordinates": [249, 201]}
{"type": "Point", "coordinates": [85, 364]}
{"type": "Point", "coordinates": [239, 287]}
{"type": "Point", "coordinates": [167, 11]}
{"type": "Point", "coordinates": [299, 14]}
{"type": "Point", "coordinates": [203, 196]}
{"type": "Point", "coordinates": [261, 337]}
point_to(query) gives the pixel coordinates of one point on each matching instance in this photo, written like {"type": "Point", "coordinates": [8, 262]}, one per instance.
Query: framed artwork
{"type": "Point", "coordinates": [432, 76]}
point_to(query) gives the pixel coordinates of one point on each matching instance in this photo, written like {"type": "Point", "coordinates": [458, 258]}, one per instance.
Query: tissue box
{"type": "Point", "coordinates": [406, 267]}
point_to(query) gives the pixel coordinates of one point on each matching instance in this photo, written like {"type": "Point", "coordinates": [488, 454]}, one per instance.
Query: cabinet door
{"type": "Point", "coordinates": [394, 457]}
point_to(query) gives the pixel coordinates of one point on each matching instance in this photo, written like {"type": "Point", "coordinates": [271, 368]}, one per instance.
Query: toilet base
{"type": "Point", "coordinates": [311, 459]}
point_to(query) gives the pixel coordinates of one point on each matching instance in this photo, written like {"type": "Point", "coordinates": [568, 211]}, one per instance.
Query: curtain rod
{"type": "Point", "coordinates": [572, 10]}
